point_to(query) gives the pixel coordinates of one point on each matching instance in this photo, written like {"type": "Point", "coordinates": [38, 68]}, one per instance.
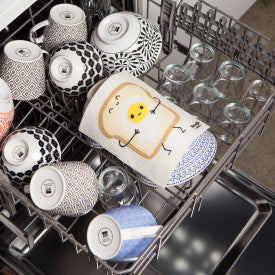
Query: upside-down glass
{"type": "Point", "coordinates": [95, 11]}
{"type": "Point", "coordinates": [256, 95]}
{"type": "Point", "coordinates": [174, 84]}
{"type": "Point", "coordinates": [231, 123]}
{"type": "Point", "coordinates": [203, 97]}
{"type": "Point", "coordinates": [228, 80]}
{"type": "Point", "coordinates": [200, 65]}
{"type": "Point", "coordinates": [116, 188]}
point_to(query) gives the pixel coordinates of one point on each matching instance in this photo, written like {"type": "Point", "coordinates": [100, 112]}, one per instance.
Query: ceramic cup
{"type": "Point", "coordinates": [127, 41]}
{"type": "Point", "coordinates": [66, 23]}
{"type": "Point", "coordinates": [22, 67]}
{"type": "Point", "coordinates": [27, 149]}
{"type": "Point", "coordinates": [6, 109]}
{"type": "Point", "coordinates": [75, 67]}
{"type": "Point", "coordinates": [122, 234]}
{"type": "Point", "coordinates": [67, 188]}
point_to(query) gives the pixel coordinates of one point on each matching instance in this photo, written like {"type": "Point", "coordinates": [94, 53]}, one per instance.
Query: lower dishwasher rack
{"type": "Point", "coordinates": [61, 115]}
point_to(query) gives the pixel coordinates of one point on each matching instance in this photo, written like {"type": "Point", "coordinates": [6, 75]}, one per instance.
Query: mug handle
{"type": "Point", "coordinates": [36, 27]}
{"type": "Point", "coordinates": [140, 232]}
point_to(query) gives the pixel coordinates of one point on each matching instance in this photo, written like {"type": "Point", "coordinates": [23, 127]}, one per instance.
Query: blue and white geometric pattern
{"type": "Point", "coordinates": [199, 156]}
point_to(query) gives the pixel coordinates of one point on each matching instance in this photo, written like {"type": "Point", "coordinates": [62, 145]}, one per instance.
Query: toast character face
{"type": "Point", "coordinates": [137, 112]}
{"type": "Point", "coordinates": [136, 119]}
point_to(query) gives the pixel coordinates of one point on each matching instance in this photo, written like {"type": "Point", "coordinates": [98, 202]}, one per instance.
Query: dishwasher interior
{"type": "Point", "coordinates": [235, 209]}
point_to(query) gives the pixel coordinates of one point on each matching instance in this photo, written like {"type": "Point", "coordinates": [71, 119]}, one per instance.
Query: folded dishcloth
{"type": "Point", "coordinates": [140, 127]}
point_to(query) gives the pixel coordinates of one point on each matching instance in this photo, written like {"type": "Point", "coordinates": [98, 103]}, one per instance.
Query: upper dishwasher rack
{"type": "Point", "coordinates": [61, 115]}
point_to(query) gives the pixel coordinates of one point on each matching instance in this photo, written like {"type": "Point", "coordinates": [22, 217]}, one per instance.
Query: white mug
{"type": "Point", "coordinates": [67, 188]}
{"type": "Point", "coordinates": [22, 66]}
{"type": "Point", "coordinates": [122, 234]}
{"type": "Point", "coordinates": [66, 23]}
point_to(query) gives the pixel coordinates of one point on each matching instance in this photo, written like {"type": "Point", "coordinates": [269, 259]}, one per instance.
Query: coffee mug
{"type": "Point", "coordinates": [122, 234]}
{"type": "Point", "coordinates": [6, 109]}
{"type": "Point", "coordinates": [75, 67]}
{"type": "Point", "coordinates": [27, 149]}
{"type": "Point", "coordinates": [22, 67]}
{"type": "Point", "coordinates": [66, 23]}
{"type": "Point", "coordinates": [67, 188]}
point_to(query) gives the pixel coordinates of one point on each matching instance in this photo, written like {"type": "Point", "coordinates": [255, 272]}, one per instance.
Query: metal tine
{"type": "Point", "coordinates": [200, 203]}
{"type": "Point", "coordinates": [78, 250]}
{"type": "Point", "coordinates": [24, 118]}
{"type": "Point", "coordinates": [30, 212]}
{"type": "Point", "coordinates": [159, 246]}
{"type": "Point", "coordinates": [144, 196]}
{"type": "Point", "coordinates": [63, 239]}
{"type": "Point", "coordinates": [193, 205]}
{"type": "Point", "coordinates": [98, 264]}
{"type": "Point", "coordinates": [46, 225]}
{"type": "Point", "coordinates": [53, 99]}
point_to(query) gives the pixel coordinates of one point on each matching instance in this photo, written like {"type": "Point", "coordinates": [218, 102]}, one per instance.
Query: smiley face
{"type": "Point", "coordinates": [137, 112]}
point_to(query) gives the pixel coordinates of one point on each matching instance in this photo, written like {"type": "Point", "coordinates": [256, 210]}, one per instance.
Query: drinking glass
{"type": "Point", "coordinates": [200, 65]}
{"type": "Point", "coordinates": [228, 80]}
{"type": "Point", "coordinates": [203, 98]}
{"type": "Point", "coordinates": [256, 95]}
{"type": "Point", "coordinates": [174, 84]}
{"type": "Point", "coordinates": [95, 11]}
{"type": "Point", "coordinates": [231, 123]}
{"type": "Point", "coordinates": [116, 188]}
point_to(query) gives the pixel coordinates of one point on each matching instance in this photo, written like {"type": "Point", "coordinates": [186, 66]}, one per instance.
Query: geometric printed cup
{"type": "Point", "coordinates": [122, 234]}
{"type": "Point", "coordinates": [67, 188]}
{"type": "Point", "coordinates": [66, 23]}
{"type": "Point", "coordinates": [27, 149]}
{"type": "Point", "coordinates": [6, 109]}
{"type": "Point", "coordinates": [22, 67]}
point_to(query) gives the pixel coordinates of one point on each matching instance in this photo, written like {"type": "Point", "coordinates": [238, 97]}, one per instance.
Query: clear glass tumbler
{"type": "Point", "coordinates": [116, 188]}
{"type": "Point", "coordinates": [256, 95]}
{"type": "Point", "coordinates": [95, 11]}
{"type": "Point", "coordinates": [228, 80]}
{"type": "Point", "coordinates": [174, 84]}
{"type": "Point", "coordinates": [231, 123]}
{"type": "Point", "coordinates": [200, 64]}
{"type": "Point", "coordinates": [203, 98]}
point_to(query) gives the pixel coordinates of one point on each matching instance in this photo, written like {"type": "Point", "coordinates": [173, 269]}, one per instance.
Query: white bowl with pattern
{"type": "Point", "coordinates": [127, 41]}
{"type": "Point", "coordinates": [26, 150]}
{"type": "Point", "coordinates": [75, 67]}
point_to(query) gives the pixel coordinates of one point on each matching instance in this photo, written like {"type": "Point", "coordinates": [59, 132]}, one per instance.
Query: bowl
{"type": "Point", "coordinates": [75, 67]}
{"type": "Point", "coordinates": [26, 150]}
{"type": "Point", "coordinates": [127, 41]}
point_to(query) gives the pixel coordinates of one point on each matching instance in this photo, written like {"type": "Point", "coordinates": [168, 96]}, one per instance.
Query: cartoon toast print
{"type": "Point", "coordinates": [136, 119]}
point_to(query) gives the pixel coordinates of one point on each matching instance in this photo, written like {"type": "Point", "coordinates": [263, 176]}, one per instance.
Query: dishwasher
{"type": "Point", "coordinates": [219, 222]}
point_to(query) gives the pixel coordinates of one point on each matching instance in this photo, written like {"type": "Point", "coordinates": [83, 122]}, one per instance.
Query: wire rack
{"type": "Point", "coordinates": [61, 115]}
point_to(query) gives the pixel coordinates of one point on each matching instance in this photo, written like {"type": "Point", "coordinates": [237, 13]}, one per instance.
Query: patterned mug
{"type": "Point", "coordinates": [67, 188]}
{"type": "Point", "coordinates": [22, 67]}
{"type": "Point", "coordinates": [122, 234]}
{"type": "Point", "coordinates": [6, 109]}
{"type": "Point", "coordinates": [27, 149]}
{"type": "Point", "coordinates": [66, 23]}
